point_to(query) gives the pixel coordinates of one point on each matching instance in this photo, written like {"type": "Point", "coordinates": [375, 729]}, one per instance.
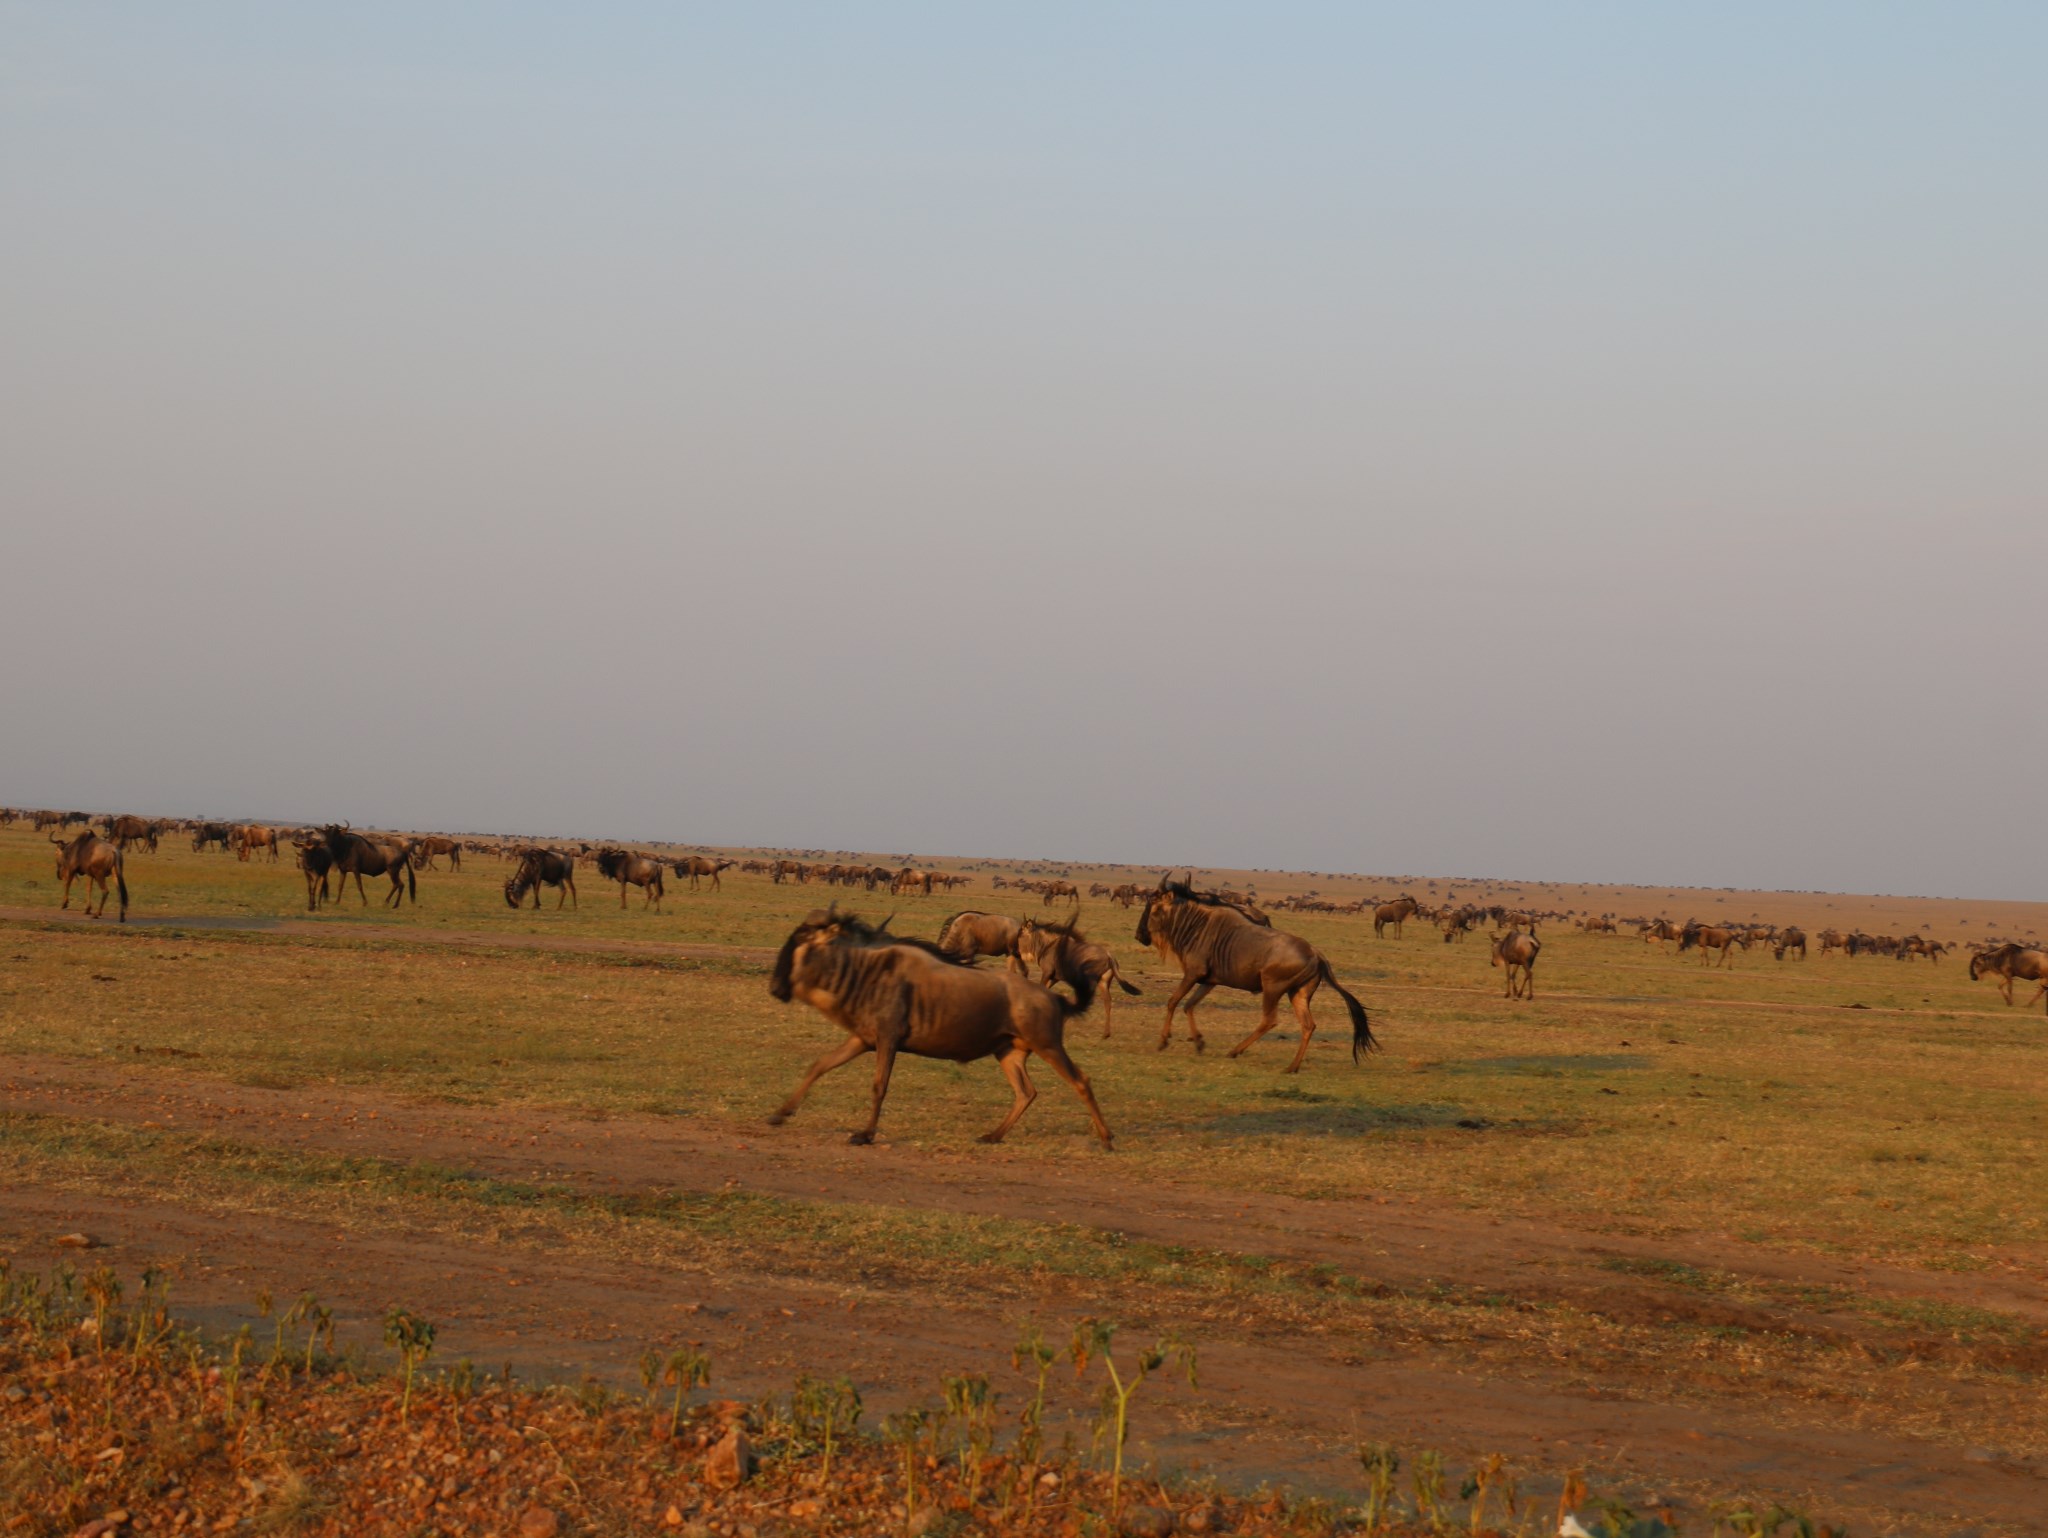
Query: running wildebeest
{"type": "Point", "coordinates": [1517, 952]}
{"type": "Point", "coordinates": [99, 862]}
{"type": "Point", "coordinates": [2008, 963]}
{"type": "Point", "coordinates": [358, 855]}
{"type": "Point", "coordinates": [1218, 944]}
{"type": "Point", "coordinates": [700, 868]}
{"type": "Point", "coordinates": [1055, 948]}
{"type": "Point", "coordinates": [968, 936]}
{"type": "Point", "coordinates": [544, 867]}
{"type": "Point", "coordinates": [900, 995]}
{"type": "Point", "coordinates": [629, 869]}
{"type": "Point", "coordinates": [1395, 913]}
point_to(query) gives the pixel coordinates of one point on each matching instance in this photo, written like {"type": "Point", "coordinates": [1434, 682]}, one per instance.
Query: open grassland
{"type": "Point", "coordinates": [1810, 1194]}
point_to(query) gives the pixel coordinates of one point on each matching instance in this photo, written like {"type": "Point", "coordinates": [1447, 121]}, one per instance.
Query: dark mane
{"type": "Point", "coordinates": [1186, 892]}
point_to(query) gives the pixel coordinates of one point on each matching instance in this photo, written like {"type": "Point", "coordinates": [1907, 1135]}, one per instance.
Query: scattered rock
{"type": "Point", "coordinates": [731, 1462]}
{"type": "Point", "coordinates": [77, 1242]}
{"type": "Point", "coordinates": [921, 1521]}
{"type": "Point", "coordinates": [673, 1517]}
{"type": "Point", "coordinates": [1146, 1522]}
{"type": "Point", "coordinates": [539, 1522]}
{"type": "Point", "coordinates": [1980, 1455]}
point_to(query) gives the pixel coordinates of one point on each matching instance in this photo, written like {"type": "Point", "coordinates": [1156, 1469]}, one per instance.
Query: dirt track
{"type": "Point", "coordinates": [1273, 1402]}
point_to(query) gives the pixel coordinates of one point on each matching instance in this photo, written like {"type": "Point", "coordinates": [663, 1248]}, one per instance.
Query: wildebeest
{"type": "Point", "coordinates": [971, 935]}
{"type": "Point", "coordinates": [1056, 948]}
{"type": "Point", "coordinates": [99, 862]}
{"type": "Point", "coordinates": [252, 836]}
{"type": "Point", "coordinates": [544, 867]}
{"type": "Point", "coordinates": [1708, 937]}
{"type": "Point", "coordinates": [900, 995]}
{"type": "Point", "coordinates": [1920, 945]}
{"type": "Point", "coordinates": [125, 830]}
{"type": "Point", "coordinates": [428, 846]}
{"type": "Point", "coordinates": [909, 879]}
{"type": "Point", "coordinates": [1395, 913]}
{"type": "Point", "coordinates": [1518, 952]}
{"type": "Point", "coordinates": [315, 861]}
{"type": "Point", "coordinates": [629, 869]}
{"type": "Point", "coordinates": [1065, 889]}
{"type": "Point", "coordinates": [359, 855]}
{"type": "Point", "coordinates": [1221, 945]}
{"type": "Point", "coordinates": [2012, 962]}
{"type": "Point", "coordinates": [217, 834]}
{"type": "Point", "coordinates": [701, 868]}
{"type": "Point", "coordinates": [1790, 938]}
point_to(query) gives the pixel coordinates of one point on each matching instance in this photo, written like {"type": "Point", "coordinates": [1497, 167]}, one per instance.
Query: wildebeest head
{"type": "Point", "coordinates": [820, 927]}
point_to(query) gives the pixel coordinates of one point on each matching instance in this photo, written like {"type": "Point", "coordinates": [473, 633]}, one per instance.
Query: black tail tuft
{"type": "Point", "coordinates": [1362, 1038]}
{"type": "Point", "coordinates": [1076, 977]}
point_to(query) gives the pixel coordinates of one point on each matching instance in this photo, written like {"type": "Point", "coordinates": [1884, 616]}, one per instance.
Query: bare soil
{"type": "Point", "coordinates": [1275, 1402]}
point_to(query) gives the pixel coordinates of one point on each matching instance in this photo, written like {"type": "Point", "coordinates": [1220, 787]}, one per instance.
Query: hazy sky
{"type": "Point", "coordinates": [1572, 441]}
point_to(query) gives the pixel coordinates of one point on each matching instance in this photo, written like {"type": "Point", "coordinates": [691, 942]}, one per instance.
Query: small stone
{"type": "Point", "coordinates": [673, 1517]}
{"type": "Point", "coordinates": [731, 1462]}
{"type": "Point", "coordinates": [1203, 1519]}
{"type": "Point", "coordinates": [921, 1521]}
{"type": "Point", "coordinates": [539, 1522]}
{"type": "Point", "coordinates": [805, 1508]}
{"type": "Point", "coordinates": [77, 1242]}
{"type": "Point", "coordinates": [1979, 1455]}
{"type": "Point", "coordinates": [1146, 1522]}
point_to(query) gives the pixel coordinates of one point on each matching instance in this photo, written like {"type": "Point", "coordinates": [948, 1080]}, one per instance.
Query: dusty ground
{"type": "Point", "coordinates": [1273, 1400]}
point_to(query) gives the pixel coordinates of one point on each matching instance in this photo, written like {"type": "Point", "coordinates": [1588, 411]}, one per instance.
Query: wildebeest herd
{"type": "Point", "coordinates": [896, 994]}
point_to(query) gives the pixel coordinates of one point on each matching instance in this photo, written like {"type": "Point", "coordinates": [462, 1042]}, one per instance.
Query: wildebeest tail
{"type": "Point", "coordinates": [412, 885]}
{"type": "Point", "coordinates": [121, 883]}
{"type": "Point", "coordinates": [1362, 1038]}
{"type": "Point", "coordinates": [1117, 977]}
{"type": "Point", "coordinates": [1076, 977]}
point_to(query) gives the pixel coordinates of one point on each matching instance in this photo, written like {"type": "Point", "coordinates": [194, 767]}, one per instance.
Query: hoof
{"type": "Point", "coordinates": [1202, 1045]}
{"type": "Point", "coordinates": [861, 1139]}
{"type": "Point", "coordinates": [778, 1118]}
{"type": "Point", "coordinates": [990, 1137]}
{"type": "Point", "coordinates": [1165, 1042]}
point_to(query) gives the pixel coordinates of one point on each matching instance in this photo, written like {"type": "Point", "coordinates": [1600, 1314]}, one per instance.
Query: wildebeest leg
{"type": "Point", "coordinates": [1529, 981]}
{"type": "Point", "coordinates": [1108, 1019]}
{"type": "Point", "coordinates": [1172, 1003]}
{"type": "Point", "coordinates": [838, 1057]}
{"type": "Point", "coordinates": [1056, 1058]}
{"type": "Point", "coordinates": [1187, 1013]}
{"type": "Point", "coordinates": [73, 877]}
{"type": "Point", "coordinates": [1269, 1016]}
{"type": "Point", "coordinates": [1013, 1063]}
{"type": "Point", "coordinates": [885, 1064]}
{"type": "Point", "coordinates": [1306, 1021]}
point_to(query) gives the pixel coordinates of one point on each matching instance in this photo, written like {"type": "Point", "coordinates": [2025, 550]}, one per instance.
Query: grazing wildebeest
{"type": "Point", "coordinates": [315, 861]}
{"type": "Point", "coordinates": [968, 936]}
{"type": "Point", "coordinates": [899, 995]}
{"type": "Point", "coordinates": [909, 879]}
{"type": "Point", "coordinates": [99, 862]}
{"type": "Point", "coordinates": [2012, 962]}
{"type": "Point", "coordinates": [1708, 937]}
{"type": "Point", "coordinates": [1920, 945]}
{"type": "Point", "coordinates": [701, 868]}
{"type": "Point", "coordinates": [544, 867]}
{"type": "Point", "coordinates": [1218, 944]}
{"type": "Point", "coordinates": [426, 847]}
{"type": "Point", "coordinates": [1597, 924]}
{"type": "Point", "coordinates": [358, 855]}
{"type": "Point", "coordinates": [218, 834]}
{"type": "Point", "coordinates": [1661, 930]}
{"type": "Point", "coordinates": [1517, 952]}
{"type": "Point", "coordinates": [126, 830]}
{"type": "Point", "coordinates": [629, 869]}
{"type": "Point", "coordinates": [1065, 889]}
{"type": "Point", "coordinates": [1395, 913]}
{"type": "Point", "coordinates": [252, 836]}
{"type": "Point", "coordinates": [1055, 948]}
{"type": "Point", "coordinates": [1127, 895]}
{"type": "Point", "coordinates": [1790, 938]}
{"type": "Point", "coordinates": [1461, 923]}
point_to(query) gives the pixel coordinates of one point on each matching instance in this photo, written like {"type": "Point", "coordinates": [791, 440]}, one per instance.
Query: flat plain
{"type": "Point", "coordinates": [1774, 1229]}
